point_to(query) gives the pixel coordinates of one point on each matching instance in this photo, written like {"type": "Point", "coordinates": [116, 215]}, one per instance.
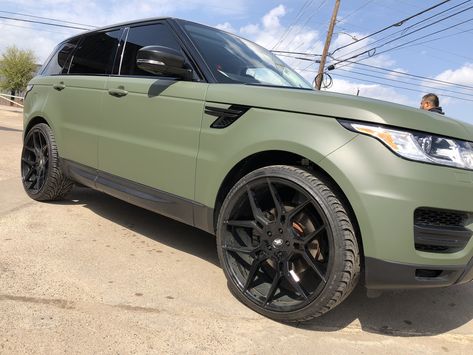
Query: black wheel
{"type": "Point", "coordinates": [286, 244]}
{"type": "Point", "coordinates": [42, 177]}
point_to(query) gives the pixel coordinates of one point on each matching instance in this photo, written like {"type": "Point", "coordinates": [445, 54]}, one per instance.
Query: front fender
{"type": "Point", "coordinates": [260, 130]}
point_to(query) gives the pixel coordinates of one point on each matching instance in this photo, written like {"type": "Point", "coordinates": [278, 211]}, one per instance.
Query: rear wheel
{"type": "Point", "coordinates": [41, 174]}
{"type": "Point", "coordinates": [286, 244]}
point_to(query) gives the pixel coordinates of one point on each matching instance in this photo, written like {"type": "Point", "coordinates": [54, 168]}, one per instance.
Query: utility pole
{"type": "Point", "coordinates": [319, 78]}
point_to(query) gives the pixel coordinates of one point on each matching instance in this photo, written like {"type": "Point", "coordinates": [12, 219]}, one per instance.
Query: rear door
{"type": "Point", "coordinates": [76, 94]}
{"type": "Point", "coordinates": [151, 124]}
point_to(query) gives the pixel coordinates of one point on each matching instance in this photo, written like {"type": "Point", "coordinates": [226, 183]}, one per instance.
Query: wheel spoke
{"type": "Point", "coordinates": [29, 149]}
{"type": "Point", "coordinates": [314, 234]}
{"type": "Point", "coordinates": [276, 199]}
{"type": "Point", "coordinates": [252, 273]}
{"type": "Point", "coordinates": [311, 262]}
{"type": "Point", "coordinates": [35, 140]}
{"type": "Point", "coordinates": [296, 210]}
{"type": "Point", "coordinates": [297, 287]}
{"type": "Point", "coordinates": [239, 249]}
{"type": "Point", "coordinates": [40, 139]}
{"type": "Point", "coordinates": [39, 180]}
{"type": "Point", "coordinates": [28, 175]}
{"type": "Point", "coordinates": [257, 213]}
{"type": "Point", "coordinates": [273, 288]}
{"type": "Point", "coordinates": [243, 224]}
{"type": "Point", "coordinates": [27, 162]}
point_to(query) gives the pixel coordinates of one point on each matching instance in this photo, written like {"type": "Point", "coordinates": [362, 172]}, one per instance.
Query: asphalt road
{"type": "Point", "coordinates": [93, 274]}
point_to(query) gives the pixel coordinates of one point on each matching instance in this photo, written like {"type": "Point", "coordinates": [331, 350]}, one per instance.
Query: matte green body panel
{"type": "Point", "coordinates": [151, 135]}
{"type": "Point", "coordinates": [75, 113]}
{"type": "Point", "coordinates": [384, 191]}
{"type": "Point", "coordinates": [339, 105]}
{"type": "Point", "coordinates": [261, 130]}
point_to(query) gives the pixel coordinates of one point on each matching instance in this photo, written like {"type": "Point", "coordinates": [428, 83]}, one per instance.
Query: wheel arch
{"type": "Point", "coordinates": [278, 157]}
{"type": "Point", "coordinates": [33, 122]}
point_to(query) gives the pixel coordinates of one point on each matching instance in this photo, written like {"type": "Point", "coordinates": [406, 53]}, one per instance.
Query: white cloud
{"type": "Point", "coordinates": [42, 39]}
{"type": "Point", "coordinates": [226, 26]}
{"type": "Point", "coordinates": [462, 76]}
{"type": "Point", "coordinates": [271, 19]}
{"type": "Point", "coordinates": [269, 33]}
{"type": "Point", "coordinates": [250, 29]}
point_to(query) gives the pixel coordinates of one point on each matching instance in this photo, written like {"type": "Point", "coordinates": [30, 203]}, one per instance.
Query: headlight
{"type": "Point", "coordinates": [424, 147]}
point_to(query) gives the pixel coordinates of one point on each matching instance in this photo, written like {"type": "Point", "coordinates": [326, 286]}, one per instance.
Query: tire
{"type": "Point", "coordinates": [286, 244]}
{"type": "Point", "coordinates": [42, 177]}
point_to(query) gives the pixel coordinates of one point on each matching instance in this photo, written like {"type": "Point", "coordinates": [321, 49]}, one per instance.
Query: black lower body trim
{"type": "Point", "coordinates": [380, 274]}
{"type": "Point", "coordinates": [169, 205]}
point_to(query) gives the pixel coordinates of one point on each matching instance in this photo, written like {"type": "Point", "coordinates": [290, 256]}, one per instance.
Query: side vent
{"type": "Point", "coordinates": [225, 116]}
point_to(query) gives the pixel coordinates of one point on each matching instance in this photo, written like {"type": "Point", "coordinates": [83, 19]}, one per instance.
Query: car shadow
{"type": "Point", "coordinates": [151, 225]}
{"type": "Point", "coordinates": [406, 313]}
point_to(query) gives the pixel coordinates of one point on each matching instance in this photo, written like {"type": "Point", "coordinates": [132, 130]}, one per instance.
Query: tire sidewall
{"type": "Point", "coordinates": [52, 158]}
{"type": "Point", "coordinates": [336, 266]}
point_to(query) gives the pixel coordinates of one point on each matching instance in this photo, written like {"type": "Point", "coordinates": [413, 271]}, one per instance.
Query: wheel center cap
{"type": "Point", "coordinates": [277, 242]}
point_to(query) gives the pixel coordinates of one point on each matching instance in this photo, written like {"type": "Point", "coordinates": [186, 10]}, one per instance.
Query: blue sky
{"type": "Point", "coordinates": [299, 25]}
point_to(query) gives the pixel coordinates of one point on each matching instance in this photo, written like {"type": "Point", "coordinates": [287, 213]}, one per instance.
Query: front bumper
{"type": "Point", "coordinates": [385, 191]}
{"type": "Point", "coordinates": [381, 275]}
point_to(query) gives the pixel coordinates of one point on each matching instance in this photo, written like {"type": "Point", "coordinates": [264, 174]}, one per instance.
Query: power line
{"type": "Point", "coordinates": [407, 28]}
{"type": "Point", "coordinates": [355, 11]}
{"type": "Point", "coordinates": [302, 26]}
{"type": "Point", "coordinates": [443, 50]}
{"type": "Point", "coordinates": [45, 18]}
{"type": "Point", "coordinates": [307, 21]}
{"type": "Point", "coordinates": [400, 81]}
{"type": "Point", "coordinates": [391, 71]}
{"type": "Point", "coordinates": [373, 50]}
{"type": "Point", "coordinates": [397, 24]}
{"type": "Point", "coordinates": [408, 83]}
{"type": "Point", "coordinates": [29, 28]}
{"type": "Point", "coordinates": [403, 45]}
{"type": "Point", "coordinates": [45, 23]}
{"type": "Point", "coordinates": [412, 75]}
{"type": "Point", "coordinates": [298, 16]}
{"type": "Point", "coordinates": [395, 86]}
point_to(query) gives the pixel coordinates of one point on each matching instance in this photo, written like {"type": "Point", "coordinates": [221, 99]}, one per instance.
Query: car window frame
{"type": "Point", "coordinates": [82, 39]}
{"type": "Point", "coordinates": [196, 72]}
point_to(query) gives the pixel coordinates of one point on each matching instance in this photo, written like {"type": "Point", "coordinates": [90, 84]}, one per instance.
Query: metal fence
{"type": "Point", "coordinates": [8, 97]}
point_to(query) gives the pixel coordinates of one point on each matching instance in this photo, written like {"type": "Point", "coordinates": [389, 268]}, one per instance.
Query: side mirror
{"type": "Point", "coordinates": [161, 60]}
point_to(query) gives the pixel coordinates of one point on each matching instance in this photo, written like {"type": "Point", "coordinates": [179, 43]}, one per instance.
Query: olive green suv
{"type": "Point", "coordinates": [307, 192]}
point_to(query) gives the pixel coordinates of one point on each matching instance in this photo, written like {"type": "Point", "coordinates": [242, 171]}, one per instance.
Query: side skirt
{"type": "Point", "coordinates": [164, 203]}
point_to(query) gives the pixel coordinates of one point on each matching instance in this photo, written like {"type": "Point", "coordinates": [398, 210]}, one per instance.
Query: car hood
{"type": "Point", "coordinates": [339, 106]}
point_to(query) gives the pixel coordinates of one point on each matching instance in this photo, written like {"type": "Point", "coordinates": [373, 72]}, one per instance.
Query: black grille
{"type": "Point", "coordinates": [439, 218]}
{"type": "Point", "coordinates": [441, 231]}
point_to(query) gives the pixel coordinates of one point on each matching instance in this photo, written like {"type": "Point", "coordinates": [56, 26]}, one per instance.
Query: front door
{"type": "Point", "coordinates": [150, 124]}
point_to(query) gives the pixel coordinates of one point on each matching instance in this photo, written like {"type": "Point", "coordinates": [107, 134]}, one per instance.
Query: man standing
{"type": "Point", "coordinates": [430, 102]}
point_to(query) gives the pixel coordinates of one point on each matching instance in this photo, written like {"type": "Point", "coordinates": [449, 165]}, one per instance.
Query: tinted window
{"type": "Point", "coordinates": [96, 53]}
{"type": "Point", "coordinates": [142, 36]}
{"type": "Point", "coordinates": [58, 62]}
{"type": "Point", "coordinates": [233, 59]}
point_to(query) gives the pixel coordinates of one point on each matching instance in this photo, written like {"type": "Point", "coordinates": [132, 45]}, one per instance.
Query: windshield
{"type": "Point", "coordinates": [235, 60]}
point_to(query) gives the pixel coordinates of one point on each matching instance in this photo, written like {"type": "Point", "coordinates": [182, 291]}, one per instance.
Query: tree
{"type": "Point", "coordinates": [17, 68]}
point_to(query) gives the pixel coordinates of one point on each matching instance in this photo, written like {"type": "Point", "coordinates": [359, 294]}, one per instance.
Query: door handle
{"type": "Point", "coordinates": [118, 92]}
{"type": "Point", "coordinates": [59, 86]}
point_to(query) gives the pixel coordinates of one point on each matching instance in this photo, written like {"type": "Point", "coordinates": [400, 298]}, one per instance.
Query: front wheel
{"type": "Point", "coordinates": [286, 244]}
